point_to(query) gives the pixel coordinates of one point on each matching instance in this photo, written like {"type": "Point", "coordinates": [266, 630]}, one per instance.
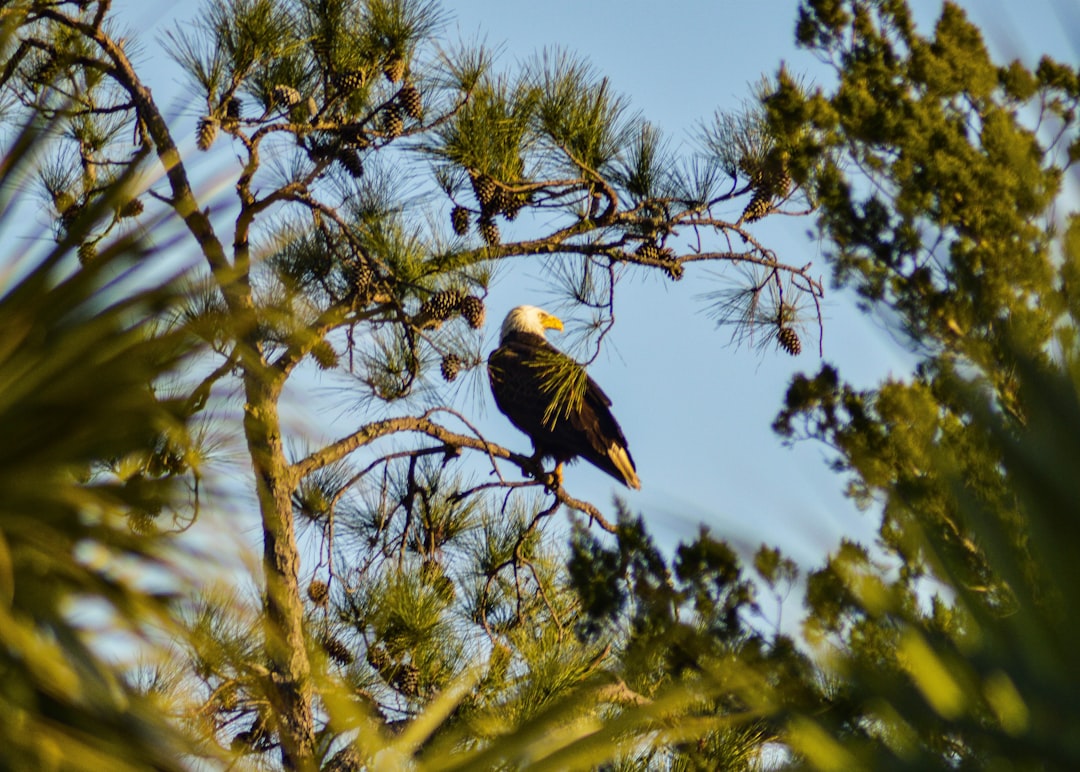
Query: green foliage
{"type": "Point", "coordinates": [953, 165]}
{"type": "Point", "coordinates": [491, 132]}
{"type": "Point", "coordinates": [924, 682]}
{"type": "Point", "coordinates": [643, 167]}
{"type": "Point", "coordinates": [442, 626]}
{"type": "Point", "coordinates": [947, 174]}
{"type": "Point", "coordinates": [945, 221]}
{"type": "Point", "coordinates": [577, 112]}
{"type": "Point", "coordinates": [81, 347]}
{"type": "Point", "coordinates": [684, 627]}
{"type": "Point", "coordinates": [946, 646]}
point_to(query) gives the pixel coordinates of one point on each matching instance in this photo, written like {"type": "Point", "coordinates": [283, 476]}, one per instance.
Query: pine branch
{"type": "Point", "coordinates": [330, 319]}
{"type": "Point", "coordinates": [619, 693]}
{"type": "Point", "coordinates": [595, 177]}
{"type": "Point", "coordinates": [452, 441]}
{"type": "Point", "coordinates": [201, 393]}
{"type": "Point", "coordinates": [183, 197]}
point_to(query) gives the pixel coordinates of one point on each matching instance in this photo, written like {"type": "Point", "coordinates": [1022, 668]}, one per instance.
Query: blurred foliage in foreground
{"type": "Point", "coordinates": [937, 176]}
{"type": "Point", "coordinates": [82, 351]}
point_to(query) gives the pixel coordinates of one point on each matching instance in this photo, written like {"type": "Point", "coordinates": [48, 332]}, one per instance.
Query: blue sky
{"type": "Point", "coordinates": [696, 410]}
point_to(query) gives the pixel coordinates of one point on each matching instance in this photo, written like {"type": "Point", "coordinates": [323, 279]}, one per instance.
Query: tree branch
{"type": "Point", "coordinates": [368, 433]}
{"type": "Point", "coordinates": [183, 198]}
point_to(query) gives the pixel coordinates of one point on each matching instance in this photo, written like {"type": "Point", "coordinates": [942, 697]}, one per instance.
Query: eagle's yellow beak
{"type": "Point", "coordinates": [551, 322]}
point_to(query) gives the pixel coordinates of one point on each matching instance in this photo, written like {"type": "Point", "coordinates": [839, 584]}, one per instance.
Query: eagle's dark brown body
{"type": "Point", "coordinates": [588, 431]}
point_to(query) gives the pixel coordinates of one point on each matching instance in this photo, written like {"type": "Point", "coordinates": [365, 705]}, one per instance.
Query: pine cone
{"type": "Point", "coordinates": [789, 341]}
{"type": "Point", "coordinates": [285, 95]}
{"type": "Point", "coordinates": [321, 148]}
{"type": "Point", "coordinates": [378, 658]}
{"type": "Point", "coordinates": [345, 760]}
{"type": "Point", "coordinates": [410, 101]}
{"type": "Point", "coordinates": [206, 132]}
{"type": "Point", "coordinates": [769, 184]}
{"type": "Point", "coordinates": [665, 256]}
{"type": "Point", "coordinates": [442, 305]}
{"type": "Point", "coordinates": [394, 68]}
{"type": "Point", "coordinates": [674, 270]}
{"type": "Point", "coordinates": [336, 650]}
{"type": "Point", "coordinates": [141, 522]}
{"type": "Point", "coordinates": [132, 208]}
{"type": "Point", "coordinates": [450, 367]}
{"type": "Point", "coordinates": [324, 355]}
{"type": "Point", "coordinates": [759, 205]}
{"type": "Point", "coordinates": [407, 679]}
{"type": "Point", "coordinates": [498, 201]}
{"type": "Point", "coordinates": [347, 82]}
{"type": "Point", "coordinates": [319, 592]}
{"type": "Point", "coordinates": [234, 109]}
{"type": "Point", "coordinates": [459, 218]}
{"type": "Point", "coordinates": [359, 275]}
{"type": "Point", "coordinates": [648, 250]}
{"type": "Point", "coordinates": [393, 124]}
{"type": "Point", "coordinates": [514, 203]}
{"type": "Point", "coordinates": [87, 252]}
{"type": "Point", "coordinates": [354, 136]}
{"type": "Point", "coordinates": [351, 161]}
{"type": "Point", "coordinates": [489, 231]}
{"type": "Point", "coordinates": [485, 189]}
{"type": "Point", "coordinates": [472, 309]}
{"type": "Point", "coordinates": [782, 185]}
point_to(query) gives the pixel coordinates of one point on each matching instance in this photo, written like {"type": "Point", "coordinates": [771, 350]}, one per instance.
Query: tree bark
{"type": "Point", "coordinates": [283, 619]}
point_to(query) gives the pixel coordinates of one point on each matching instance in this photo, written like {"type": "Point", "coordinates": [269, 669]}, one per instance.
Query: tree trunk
{"type": "Point", "coordinates": [290, 690]}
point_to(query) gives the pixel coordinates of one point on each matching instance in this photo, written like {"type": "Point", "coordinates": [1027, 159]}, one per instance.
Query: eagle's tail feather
{"type": "Point", "coordinates": [622, 462]}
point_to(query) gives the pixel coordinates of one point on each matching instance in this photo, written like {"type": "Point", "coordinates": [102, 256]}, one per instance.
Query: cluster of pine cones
{"type": "Point", "coordinates": [446, 303]}
{"type": "Point", "coordinates": [494, 199]}
{"type": "Point", "coordinates": [408, 102]}
{"type": "Point", "coordinates": [770, 182]}
{"type": "Point", "coordinates": [442, 306]}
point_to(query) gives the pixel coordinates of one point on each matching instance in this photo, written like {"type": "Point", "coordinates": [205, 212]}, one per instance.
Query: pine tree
{"type": "Point", "coordinates": [323, 261]}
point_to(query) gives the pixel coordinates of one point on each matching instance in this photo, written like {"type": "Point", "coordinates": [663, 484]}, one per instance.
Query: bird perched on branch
{"type": "Point", "coordinates": [549, 396]}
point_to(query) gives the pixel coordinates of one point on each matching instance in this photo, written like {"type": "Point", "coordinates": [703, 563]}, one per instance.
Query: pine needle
{"type": "Point", "coordinates": [564, 380]}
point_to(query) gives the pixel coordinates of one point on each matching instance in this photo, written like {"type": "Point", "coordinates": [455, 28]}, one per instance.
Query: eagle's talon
{"type": "Point", "coordinates": [552, 480]}
{"type": "Point", "coordinates": [534, 467]}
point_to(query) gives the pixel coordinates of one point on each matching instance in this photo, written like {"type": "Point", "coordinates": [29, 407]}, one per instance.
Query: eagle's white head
{"type": "Point", "coordinates": [529, 319]}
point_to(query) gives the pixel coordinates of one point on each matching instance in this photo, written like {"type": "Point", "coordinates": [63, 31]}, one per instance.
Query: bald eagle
{"type": "Point", "coordinates": [547, 395]}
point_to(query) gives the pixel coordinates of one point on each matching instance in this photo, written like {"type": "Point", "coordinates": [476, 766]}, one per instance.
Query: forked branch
{"type": "Point", "coordinates": [451, 441]}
